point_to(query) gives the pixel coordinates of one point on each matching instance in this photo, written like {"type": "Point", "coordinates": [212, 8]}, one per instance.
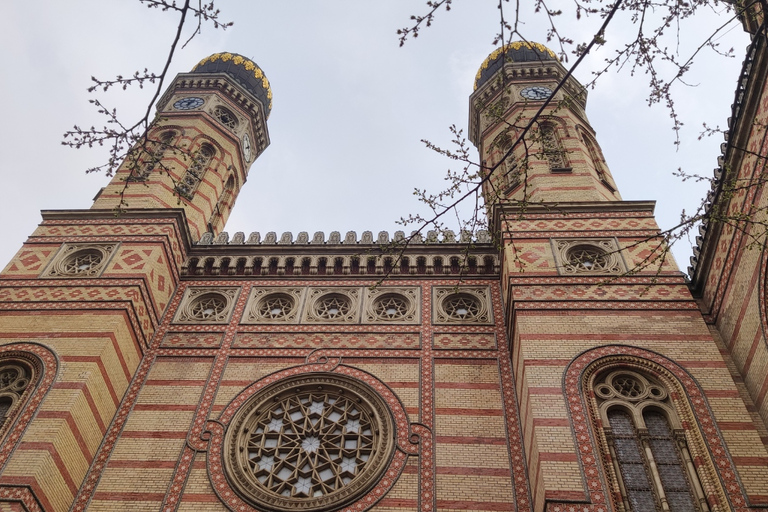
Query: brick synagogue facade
{"type": "Point", "coordinates": [150, 362]}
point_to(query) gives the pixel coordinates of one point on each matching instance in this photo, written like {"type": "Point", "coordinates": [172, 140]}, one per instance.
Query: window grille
{"type": "Point", "coordinates": [194, 175]}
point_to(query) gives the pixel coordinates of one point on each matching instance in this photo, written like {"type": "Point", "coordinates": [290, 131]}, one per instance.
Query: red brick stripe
{"type": "Point", "coordinates": [461, 411]}
{"type": "Point", "coordinates": [451, 470]}
{"type": "Point", "coordinates": [498, 441]}
{"type": "Point", "coordinates": [48, 447]}
{"type": "Point", "coordinates": [88, 397]}
{"type": "Point", "coordinates": [144, 434]}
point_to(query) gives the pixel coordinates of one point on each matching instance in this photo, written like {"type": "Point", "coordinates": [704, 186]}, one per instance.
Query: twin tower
{"type": "Point", "coordinates": [212, 125]}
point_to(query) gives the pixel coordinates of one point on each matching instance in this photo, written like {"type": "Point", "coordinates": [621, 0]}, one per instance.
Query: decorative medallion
{"type": "Point", "coordinates": [80, 260]}
{"type": "Point", "coordinates": [588, 256]}
{"type": "Point", "coordinates": [309, 442]}
{"type": "Point", "coordinates": [273, 306]}
{"type": "Point", "coordinates": [207, 305]}
{"type": "Point", "coordinates": [467, 305]}
{"type": "Point", "coordinates": [333, 305]}
{"type": "Point", "coordinates": [391, 306]}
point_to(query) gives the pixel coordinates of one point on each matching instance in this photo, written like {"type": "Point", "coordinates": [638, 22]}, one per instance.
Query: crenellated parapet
{"type": "Point", "coordinates": [448, 254]}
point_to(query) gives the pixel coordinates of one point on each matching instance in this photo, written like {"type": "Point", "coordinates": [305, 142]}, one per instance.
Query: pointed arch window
{"type": "Point", "coordinates": [646, 444]}
{"type": "Point", "coordinates": [16, 380]}
{"type": "Point", "coordinates": [508, 173]}
{"type": "Point", "coordinates": [154, 151]}
{"type": "Point", "coordinates": [552, 148]}
{"type": "Point", "coordinates": [201, 160]}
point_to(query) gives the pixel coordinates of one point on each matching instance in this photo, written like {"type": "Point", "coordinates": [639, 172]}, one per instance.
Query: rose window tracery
{"type": "Point", "coordinates": [391, 307]}
{"type": "Point", "coordinates": [312, 444]}
{"type": "Point", "coordinates": [332, 307]}
{"type": "Point", "coordinates": [276, 307]}
{"type": "Point", "coordinates": [207, 307]}
{"type": "Point", "coordinates": [588, 258]}
{"type": "Point", "coordinates": [462, 306]}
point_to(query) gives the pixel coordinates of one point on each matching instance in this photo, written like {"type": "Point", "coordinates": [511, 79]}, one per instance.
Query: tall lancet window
{"type": "Point", "coordinates": [194, 175]}
{"type": "Point", "coordinates": [647, 445]}
{"type": "Point", "coordinates": [552, 147]}
{"type": "Point", "coordinates": [508, 174]}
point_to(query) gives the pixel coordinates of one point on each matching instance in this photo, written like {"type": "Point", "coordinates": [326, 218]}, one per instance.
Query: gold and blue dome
{"type": "Point", "coordinates": [518, 51]}
{"type": "Point", "coordinates": [243, 70]}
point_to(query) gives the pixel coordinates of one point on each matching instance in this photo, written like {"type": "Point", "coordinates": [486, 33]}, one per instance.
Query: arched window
{"type": "Point", "coordinates": [194, 175]}
{"type": "Point", "coordinates": [153, 152]}
{"type": "Point", "coordinates": [647, 445]}
{"type": "Point", "coordinates": [16, 379]}
{"type": "Point", "coordinates": [552, 147]}
{"type": "Point", "coordinates": [508, 173]}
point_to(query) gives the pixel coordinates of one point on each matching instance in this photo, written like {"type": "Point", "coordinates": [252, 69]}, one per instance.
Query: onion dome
{"type": "Point", "coordinates": [243, 70]}
{"type": "Point", "coordinates": [519, 51]}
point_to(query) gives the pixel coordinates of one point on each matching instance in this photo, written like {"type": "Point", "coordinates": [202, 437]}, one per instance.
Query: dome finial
{"type": "Point", "coordinates": [517, 51]}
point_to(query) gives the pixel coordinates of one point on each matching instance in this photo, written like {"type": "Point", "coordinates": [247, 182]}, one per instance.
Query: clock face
{"type": "Point", "coordinates": [538, 92]}
{"type": "Point", "coordinates": [247, 147]}
{"type": "Point", "coordinates": [188, 103]}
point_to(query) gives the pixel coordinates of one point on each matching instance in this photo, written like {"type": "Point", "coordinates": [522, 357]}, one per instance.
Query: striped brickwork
{"type": "Point", "coordinates": [158, 190]}
{"type": "Point", "coordinates": [452, 397]}
{"type": "Point", "coordinates": [733, 287]}
{"type": "Point", "coordinates": [96, 330]}
{"type": "Point", "coordinates": [555, 318]}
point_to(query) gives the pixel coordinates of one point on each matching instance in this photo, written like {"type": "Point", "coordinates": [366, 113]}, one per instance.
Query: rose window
{"type": "Point", "coordinates": [85, 262]}
{"type": "Point", "coordinates": [332, 307]}
{"type": "Point", "coordinates": [275, 307]}
{"type": "Point", "coordinates": [311, 444]}
{"type": "Point", "coordinates": [391, 307]}
{"type": "Point", "coordinates": [588, 258]}
{"type": "Point", "coordinates": [461, 307]}
{"type": "Point", "coordinates": [208, 307]}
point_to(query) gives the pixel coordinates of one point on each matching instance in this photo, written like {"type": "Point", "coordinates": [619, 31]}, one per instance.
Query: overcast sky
{"type": "Point", "coordinates": [350, 105]}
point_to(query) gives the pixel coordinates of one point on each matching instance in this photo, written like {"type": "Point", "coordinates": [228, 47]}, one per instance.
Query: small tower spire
{"type": "Point", "coordinates": [211, 126]}
{"type": "Point", "coordinates": [559, 159]}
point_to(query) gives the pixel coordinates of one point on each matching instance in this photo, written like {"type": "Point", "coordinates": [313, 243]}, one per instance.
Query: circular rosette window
{"type": "Point", "coordinates": [312, 442]}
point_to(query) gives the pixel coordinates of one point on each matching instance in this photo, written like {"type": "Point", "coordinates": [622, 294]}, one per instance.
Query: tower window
{"type": "Point", "coordinates": [225, 117]}
{"type": "Point", "coordinates": [201, 160]}
{"type": "Point", "coordinates": [153, 151]}
{"type": "Point", "coordinates": [552, 148]}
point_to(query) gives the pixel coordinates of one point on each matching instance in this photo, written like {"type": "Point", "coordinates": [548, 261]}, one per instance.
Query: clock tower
{"type": "Point", "coordinates": [558, 158]}
{"type": "Point", "coordinates": [210, 127]}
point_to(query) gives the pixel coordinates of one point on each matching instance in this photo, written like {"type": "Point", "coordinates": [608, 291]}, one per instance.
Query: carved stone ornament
{"type": "Point", "coordinates": [310, 442]}
{"type": "Point", "coordinates": [333, 305]}
{"type": "Point", "coordinates": [462, 305]}
{"type": "Point", "coordinates": [274, 305]}
{"type": "Point", "coordinates": [207, 305]}
{"type": "Point", "coordinates": [590, 256]}
{"type": "Point", "coordinates": [391, 306]}
{"type": "Point", "coordinates": [80, 260]}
